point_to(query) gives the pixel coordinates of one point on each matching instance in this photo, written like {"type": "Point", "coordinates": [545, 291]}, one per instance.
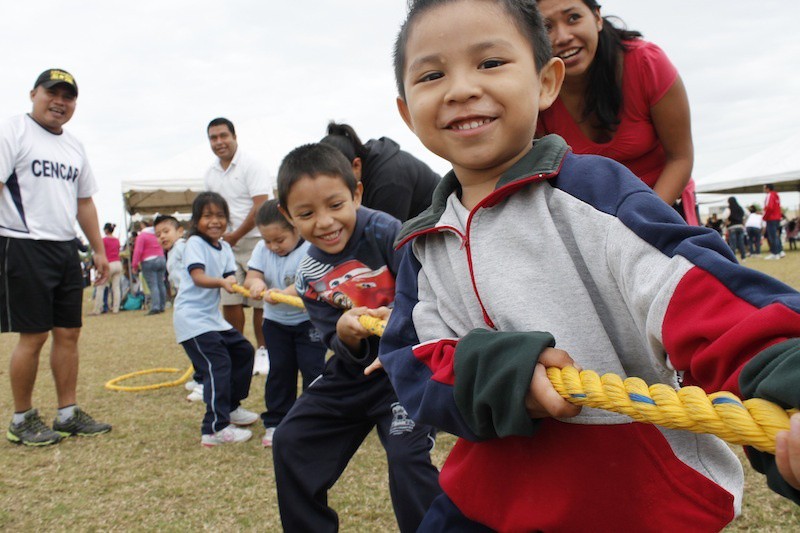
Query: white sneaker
{"type": "Point", "coordinates": [242, 417]}
{"type": "Point", "coordinates": [782, 254]}
{"type": "Point", "coordinates": [770, 256]}
{"type": "Point", "coordinates": [196, 395]}
{"type": "Point", "coordinates": [190, 385]}
{"type": "Point", "coordinates": [261, 362]}
{"type": "Point", "coordinates": [266, 441]}
{"type": "Point", "coordinates": [229, 435]}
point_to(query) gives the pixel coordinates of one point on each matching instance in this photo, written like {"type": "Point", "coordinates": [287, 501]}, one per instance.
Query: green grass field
{"type": "Point", "coordinates": [150, 473]}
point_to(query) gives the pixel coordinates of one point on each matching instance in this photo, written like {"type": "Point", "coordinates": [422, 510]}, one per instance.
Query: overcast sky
{"type": "Point", "coordinates": [153, 73]}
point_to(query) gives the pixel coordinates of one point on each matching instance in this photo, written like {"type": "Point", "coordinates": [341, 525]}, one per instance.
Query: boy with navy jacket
{"type": "Point", "coordinates": [349, 271]}
{"type": "Point", "coordinates": [528, 246]}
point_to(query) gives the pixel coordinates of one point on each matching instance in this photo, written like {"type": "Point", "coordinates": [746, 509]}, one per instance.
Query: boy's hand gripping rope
{"type": "Point", "coordinates": [751, 422]}
{"type": "Point", "coordinates": [372, 324]}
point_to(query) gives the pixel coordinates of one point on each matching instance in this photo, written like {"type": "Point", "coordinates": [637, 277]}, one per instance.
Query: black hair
{"type": "Point", "coordinates": [736, 210]}
{"type": "Point", "coordinates": [109, 227]}
{"type": "Point", "coordinates": [311, 160]}
{"type": "Point", "coordinates": [220, 121]}
{"type": "Point", "coordinates": [523, 13]}
{"type": "Point", "coordinates": [167, 218]}
{"type": "Point", "coordinates": [269, 213]}
{"type": "Point", "coordinates": [603, 97]}
{"type": "Point", "coordinates": [345, 139]}
{"type": "Point", "coordinates": [200, 202]}
{"type": "Point", "coordinates": [770, 187]}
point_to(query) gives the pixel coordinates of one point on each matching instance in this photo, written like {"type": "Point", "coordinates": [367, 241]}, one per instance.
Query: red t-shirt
{"type": "Point", "coordinates": [647, 75]}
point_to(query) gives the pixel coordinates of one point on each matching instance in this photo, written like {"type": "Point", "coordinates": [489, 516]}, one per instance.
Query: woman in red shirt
{"type": "Point", "coordinates": [111, 244]}
{"type": "Point", "coordinates": [622, 98]}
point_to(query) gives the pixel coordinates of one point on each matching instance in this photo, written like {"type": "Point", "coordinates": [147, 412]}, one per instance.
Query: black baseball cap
{"type": "Point", "coordinates": [54, 76]}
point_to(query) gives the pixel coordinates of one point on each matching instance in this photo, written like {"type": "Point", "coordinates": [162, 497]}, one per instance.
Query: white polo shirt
{"type": "Point", "coordinates": [238, 184]}
{"type": "Point", "coordinates": [43, 175]}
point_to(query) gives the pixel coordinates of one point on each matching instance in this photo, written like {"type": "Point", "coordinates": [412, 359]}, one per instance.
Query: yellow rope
{"type": "Point", "coordinates": [113, 383]}
{"type": "Point", "coordinates": [751, 422]}
{"type": "Point", "coordinates": [372, 324]}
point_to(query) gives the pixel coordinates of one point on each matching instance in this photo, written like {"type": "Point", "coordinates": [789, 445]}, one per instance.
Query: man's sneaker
{"type": "Point", "coordinates": [80, 423]}
{"type": "Point", "coordinates": [266, 441]}
{"type": "Point", "coordinates": [261, 362]}
{"type": "Point", "coordinates": [242, 417]}
{"type": "Point", "coordinates": [196, 395]}
{"type": "Point", "coordinates": [229, 435]}
{"type": "Point", "coordinates": [190, 385]}
{"type": "Point", "coordinates": [770, 256]}
{"type": "Point", "coordinates": [32, 431]}
{"type": "Point", "coordinates": [782, 254]}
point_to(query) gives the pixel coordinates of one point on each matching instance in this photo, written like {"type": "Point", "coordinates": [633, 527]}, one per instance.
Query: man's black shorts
{"type": "Point", "coordinates": [41, 286]}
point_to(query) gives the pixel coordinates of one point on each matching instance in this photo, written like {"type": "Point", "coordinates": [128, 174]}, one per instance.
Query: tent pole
{"type": "Point", "coordinates": [127, 237]}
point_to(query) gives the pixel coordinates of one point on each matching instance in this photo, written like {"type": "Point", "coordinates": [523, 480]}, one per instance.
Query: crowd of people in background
{"type": "Point", "coordinates": [501, 241]}
{"type": "Point", "coordinates": [744, 231]}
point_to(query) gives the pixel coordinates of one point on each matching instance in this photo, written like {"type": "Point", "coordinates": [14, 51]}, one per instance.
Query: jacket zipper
{"type": "Point", "coordinates": [520, 183]}
{"type": "Point", "coordinates": [465, 239]}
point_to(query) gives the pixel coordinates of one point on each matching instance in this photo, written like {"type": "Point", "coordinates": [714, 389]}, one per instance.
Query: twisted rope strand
{"type": "Point", "coordinates": [754, 422]}
{"type": "Point", "coordinates": [372, 324]}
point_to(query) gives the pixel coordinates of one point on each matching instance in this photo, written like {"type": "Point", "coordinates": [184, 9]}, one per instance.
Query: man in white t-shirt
{"type": "Point", "coordinates": [245, 185]}
{"type": "Point", "coordinates": [47, 184]}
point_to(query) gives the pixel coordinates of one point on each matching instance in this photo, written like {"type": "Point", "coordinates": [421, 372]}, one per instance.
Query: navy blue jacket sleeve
{"type": "Point", "coordinates": [421, 374]}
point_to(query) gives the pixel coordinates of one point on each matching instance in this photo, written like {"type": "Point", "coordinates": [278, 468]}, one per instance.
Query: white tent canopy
{"type": "Point", "coordinates": [167, 186]}
{"type": "Point", "coordinates": [148, 197]}
{"type": "Point", "coordinates": [779, 164]}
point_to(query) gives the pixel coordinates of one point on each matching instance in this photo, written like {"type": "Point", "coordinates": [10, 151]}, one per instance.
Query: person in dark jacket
{"type": "Point", "coordinates": [394, 181]}
{"type": "Point", "coordinates": [734, 217]}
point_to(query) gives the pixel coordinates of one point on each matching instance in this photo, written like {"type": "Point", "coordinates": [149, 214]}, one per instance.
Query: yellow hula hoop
{"type": "Point", "coordinates": [752, 422]}
{"type": "Point", "coordinates": [113, 383]}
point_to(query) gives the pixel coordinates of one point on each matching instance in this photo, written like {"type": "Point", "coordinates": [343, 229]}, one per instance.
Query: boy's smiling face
{"type": "Point", "coordinates": [167, 234]}
{"type": "Point", "coordinates": [323, 210]}
{"type": "Point", "coordinates": [472, 90]}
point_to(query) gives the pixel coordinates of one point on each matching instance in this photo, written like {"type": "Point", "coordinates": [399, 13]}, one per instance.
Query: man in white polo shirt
{"type": "Point", "coordinates": [245, 185]}
{"type": "Point", "coordinates": [47, 184]}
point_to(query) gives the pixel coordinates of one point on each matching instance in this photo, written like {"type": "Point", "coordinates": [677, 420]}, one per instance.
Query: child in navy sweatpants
{"type": "Point", "coordinates": [349, 271]}
{"type": "Point", "coordinates": [292, 341]}
{"type": "Point", "coordinates": [217, 350]}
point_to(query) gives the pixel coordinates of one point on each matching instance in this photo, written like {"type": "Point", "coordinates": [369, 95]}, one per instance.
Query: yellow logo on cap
{"type": "Point", "coordinates": [61, 76]}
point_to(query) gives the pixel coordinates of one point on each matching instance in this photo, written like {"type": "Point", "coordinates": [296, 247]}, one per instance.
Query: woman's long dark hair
{"type": "Point", "coordinates": [344, 138]}
{"type": "Point", "coordinates": [603, 97]}
{"type": "Point", "coordinates": [737, 213]}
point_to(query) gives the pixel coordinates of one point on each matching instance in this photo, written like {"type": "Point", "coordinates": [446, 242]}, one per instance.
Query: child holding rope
{"type": "Point", "coordinates": [293, 343]}
{"type": "Point", "coordinates": [527, 245]}
{"type": "Point", "coordinates": [170, 236]}
{"type": "Point", "coordinates": [348, 272]}
{"type": "Point", "coordinates": [222, 354]}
